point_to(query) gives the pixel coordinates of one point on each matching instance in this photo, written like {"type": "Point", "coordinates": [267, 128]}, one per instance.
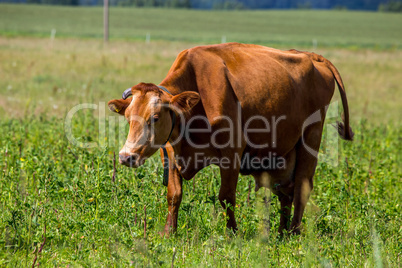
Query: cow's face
{"type": "Point", "coordinates": [149, 114]}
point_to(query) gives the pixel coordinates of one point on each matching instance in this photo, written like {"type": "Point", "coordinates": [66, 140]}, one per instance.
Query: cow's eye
{"type": "Point", "coordinates": [154, 118]}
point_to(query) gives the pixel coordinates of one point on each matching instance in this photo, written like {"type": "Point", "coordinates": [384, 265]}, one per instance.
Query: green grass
{"type": "Point", "coordinates": [285, 28]}
{"type": "Point", "coordinates": [352, 219]}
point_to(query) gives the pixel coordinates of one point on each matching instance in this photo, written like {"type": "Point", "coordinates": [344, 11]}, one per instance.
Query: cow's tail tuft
{"type": "Point", "coordinates": [341, 130]}
{"type": "Point", "coordinates": [344, 129]}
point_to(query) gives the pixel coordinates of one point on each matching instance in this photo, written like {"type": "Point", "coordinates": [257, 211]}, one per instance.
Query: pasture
{"type": "Point", "coordinates": [291, 28]}
{"type": "Point", "coordinates": [86, 212]}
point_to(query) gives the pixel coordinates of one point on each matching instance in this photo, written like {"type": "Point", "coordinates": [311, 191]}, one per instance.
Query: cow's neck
{"type": "Point", "coordinates": [186, 158]}
{"type": "Point", "coordinates": [177, 83]}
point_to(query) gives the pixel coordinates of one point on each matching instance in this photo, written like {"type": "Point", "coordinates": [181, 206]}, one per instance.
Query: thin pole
{"type": "Point", "coordinates": [105, 21]}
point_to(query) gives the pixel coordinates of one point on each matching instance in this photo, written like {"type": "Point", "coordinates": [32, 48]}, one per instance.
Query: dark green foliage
{"type": "Point", "coordinates": [391, 6]}
{"type": "Point", "coordinates": [382, 5]}
{"type": "Point", "coordinates": [228, 5]}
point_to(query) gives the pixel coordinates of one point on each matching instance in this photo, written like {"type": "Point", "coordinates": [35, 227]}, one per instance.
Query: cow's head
{"type": "Point", "coordinates": [149, 114]}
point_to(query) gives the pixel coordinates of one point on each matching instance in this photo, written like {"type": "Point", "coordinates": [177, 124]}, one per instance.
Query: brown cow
{"type": "Point", "coordinates": [248, 109]}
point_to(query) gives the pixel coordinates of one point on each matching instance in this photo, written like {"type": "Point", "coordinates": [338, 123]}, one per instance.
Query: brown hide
{"type": "Point", "coordinates": [251, 85]}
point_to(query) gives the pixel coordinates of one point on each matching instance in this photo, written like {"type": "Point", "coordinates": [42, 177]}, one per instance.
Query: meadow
{"type": "Point", "coordinates": [273, 28]}
{"type": "Point", "coordinates": [81, 210]}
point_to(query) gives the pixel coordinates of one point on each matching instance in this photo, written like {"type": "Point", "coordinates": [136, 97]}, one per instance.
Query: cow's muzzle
{"type": "Point", "coordinates": [130, 160]}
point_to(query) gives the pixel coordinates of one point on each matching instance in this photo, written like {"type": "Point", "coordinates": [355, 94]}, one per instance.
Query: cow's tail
{"type": "Point", "coordinates": [344, 129]}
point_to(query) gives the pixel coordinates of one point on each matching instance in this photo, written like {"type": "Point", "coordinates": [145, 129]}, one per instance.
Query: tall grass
{"type": "Point", "coordinates": [353, 217]}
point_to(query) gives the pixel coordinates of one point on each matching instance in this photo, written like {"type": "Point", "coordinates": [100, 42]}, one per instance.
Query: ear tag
{"type": "Point", "coordinates": [114, 107]}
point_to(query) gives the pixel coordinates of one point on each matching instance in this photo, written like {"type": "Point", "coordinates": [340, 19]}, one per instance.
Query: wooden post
{"type": "Point", "coordinates": [105, 21]}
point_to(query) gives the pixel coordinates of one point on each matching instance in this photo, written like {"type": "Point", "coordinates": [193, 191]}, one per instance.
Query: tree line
{"type": "Point", "coordinates": [380, 5]}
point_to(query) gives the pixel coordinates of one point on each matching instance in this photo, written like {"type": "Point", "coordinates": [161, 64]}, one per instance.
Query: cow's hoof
{"type": "Point", "coordinates": [295, 231]}
{"type": "Point", "coordinates": [167, 232]}
{"type": "Point", "coordinates": [282, 232]}
{"type": "Point", "coordinates": [164, 234]}
{"type": "Point", "coordinates": [231, 228]}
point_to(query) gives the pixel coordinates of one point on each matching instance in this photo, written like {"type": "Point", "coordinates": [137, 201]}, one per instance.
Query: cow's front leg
{"type": "Point", "coordinates": [174, 197]}
{"type": "Point", "coordinates": [174, 194]}
{"type": "Point", "coordinates": [227, 195]}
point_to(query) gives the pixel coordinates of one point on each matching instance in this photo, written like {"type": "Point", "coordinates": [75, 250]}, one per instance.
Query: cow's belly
{"type": "Point", "coordinates": [277, 179]}
{"type": "Point", "coordinates": [274, 130]}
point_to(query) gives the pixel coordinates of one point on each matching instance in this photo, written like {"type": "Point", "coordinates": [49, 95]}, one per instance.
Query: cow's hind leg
{"type": "Point", "coordinates": [286, 208]}
{"type": "Point", "coordinates": [306, 161]}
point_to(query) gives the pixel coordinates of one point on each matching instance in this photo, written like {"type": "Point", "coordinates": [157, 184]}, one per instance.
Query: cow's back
{"type": "Point", "coordinates": [261, 76]}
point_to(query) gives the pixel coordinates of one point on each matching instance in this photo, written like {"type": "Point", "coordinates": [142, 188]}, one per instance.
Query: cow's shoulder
{"type": "Point", "coordinates": [217, 47]}
{"type": "Point", "coordinates": [221, 49]}
{"type": "Point", "coordinates": [181, 60]}
{"type": "Point", "coordinates": [194, 56]}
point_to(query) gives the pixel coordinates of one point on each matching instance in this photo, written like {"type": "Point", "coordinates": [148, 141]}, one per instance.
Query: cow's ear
{"type": "Point", "coordinates": [185, 101]}
{"type": "Point", "coordinates": [119, 106]}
